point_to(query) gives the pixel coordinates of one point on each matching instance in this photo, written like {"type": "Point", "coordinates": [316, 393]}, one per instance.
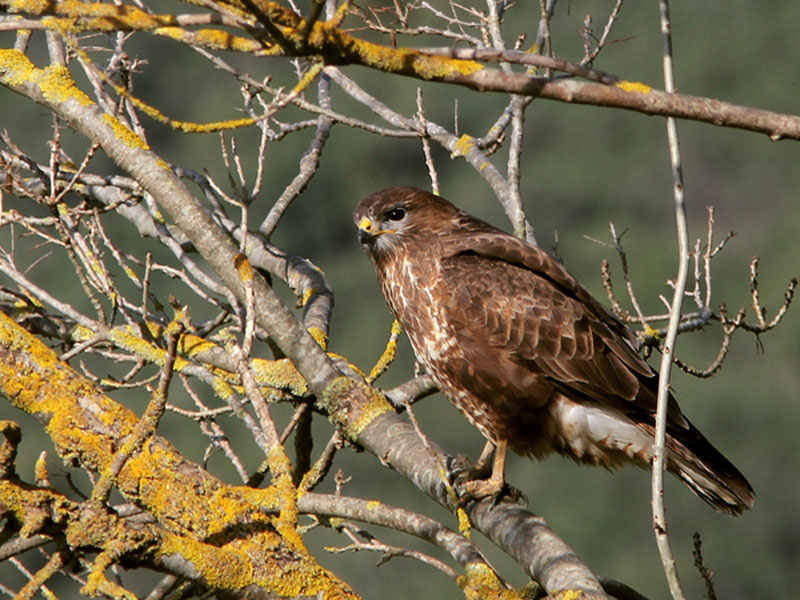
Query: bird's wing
{"type": "Point", "coordinates": [521, 317]}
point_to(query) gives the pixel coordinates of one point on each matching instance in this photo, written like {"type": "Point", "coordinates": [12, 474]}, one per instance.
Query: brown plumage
{"type": "Point", "coordinates": [522, 349]}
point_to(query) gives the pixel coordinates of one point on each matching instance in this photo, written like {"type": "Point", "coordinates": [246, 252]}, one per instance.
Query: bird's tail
{"type": "Point", "coordinates": [602, 435]}
{"type": "Point", "coordinates": [706, 472]}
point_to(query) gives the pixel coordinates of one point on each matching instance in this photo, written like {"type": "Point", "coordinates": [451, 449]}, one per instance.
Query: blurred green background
{"type": "Point", "coordinates": [582, 167]}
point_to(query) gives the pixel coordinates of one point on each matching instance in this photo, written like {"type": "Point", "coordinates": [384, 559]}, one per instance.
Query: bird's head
{"type": "Point", "coordinates": [395, 216]}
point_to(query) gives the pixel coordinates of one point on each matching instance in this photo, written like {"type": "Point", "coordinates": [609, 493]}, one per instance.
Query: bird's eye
{"type": "Point", "coordinates": [396, 214]}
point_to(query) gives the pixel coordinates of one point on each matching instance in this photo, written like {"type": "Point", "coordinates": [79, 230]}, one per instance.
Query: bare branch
{"type": "Point", "coordinates": [659, 445]}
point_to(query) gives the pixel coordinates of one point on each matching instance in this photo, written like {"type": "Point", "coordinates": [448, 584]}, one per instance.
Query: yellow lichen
{"type": "Point", "coordinates": [463, 146]}
{"type": "Point", "coordinates": [650, 331]}
{"type": "Point", "coordinates": [243, 267]}
{"type": "Point", "coordinates": [388, 354]}
{"type": "Point", "coordinates": [223, 568]}
{"type": "Point", "coordinates": [129, 137]}
{"type": "Point", "coordinates": [230, 566]}
{"type": "Point", "coordinates": [464, 524]}
{"type": "Point", "coordinates": [353, 405]}
{"type": "Point", "coordinates": [634, 86]}
{"type": "Point", "coordinates": [320, 336]}
{"type": "Point", "coordinates": [40, 468]}
{"type": "Point", "coordinates": [308, 77]}
{"type": "Point", "coordinates": [280, 374]}
{"type": "Point", "coordinates": [33, 7]}
{"type": "Point", "coordinates": [192, 345]}
{"type": "Point", "coordinates": [480, 582]}
{"type": "Point", "coordinates": [410, 61]}
{"type": "Point", "coordinates": [54, 81]}
{"type": "Point", "coordinates": [214, 39]}
{"type": "Point", "coordinates": [567, 595]}
{"type": "Point", "coordinates": [178, 493]}
{"type": "Point", "coordinates": [33, 508]}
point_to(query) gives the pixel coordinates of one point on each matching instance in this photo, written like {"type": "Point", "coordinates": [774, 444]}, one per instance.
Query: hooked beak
{"type": "Point", "coordinates": [367, 231]}
{"type": "Point", "coordinates": [364, 237]}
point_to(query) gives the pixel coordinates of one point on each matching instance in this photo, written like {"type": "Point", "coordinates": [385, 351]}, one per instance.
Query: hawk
{"type": "Point", "coordinates": [523, 350]}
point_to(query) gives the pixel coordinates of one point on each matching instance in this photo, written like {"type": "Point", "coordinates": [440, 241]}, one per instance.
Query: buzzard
{"type": "Point", "coordinates": [523, 350]}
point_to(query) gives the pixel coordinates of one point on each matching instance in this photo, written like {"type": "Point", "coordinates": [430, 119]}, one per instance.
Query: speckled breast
{"type": "Point", "coordinates": [431, 336]}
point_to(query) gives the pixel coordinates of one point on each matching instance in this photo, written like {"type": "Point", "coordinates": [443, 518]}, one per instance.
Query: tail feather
{"type": "Point", "coordinates": [602, 435]}
{"type": "Point", "coordinates": [707, 472]}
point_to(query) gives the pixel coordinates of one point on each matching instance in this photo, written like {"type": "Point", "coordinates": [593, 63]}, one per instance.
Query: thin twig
{"type": "Point", "coordinates": [659, 447]}
{"type": "Point", "coordinates": [705, 573]}
{"type": "Point", "coordinates": [426, 144]}
{"type": "Point", "coordinates": [623, 259]}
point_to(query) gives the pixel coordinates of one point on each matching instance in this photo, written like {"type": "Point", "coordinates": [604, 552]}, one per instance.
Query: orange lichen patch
{"type": "Point", "coordinates": [286, 492]}
{"type": "Point", "coordinates": [292, 573]}
{"type": "Point", "coordinates": [634, 86]}
{"type": "Point", "coordinates": [222, 389]}
{"type": "Point", "coordinates": [133, 140]}
{"type": "Point", "coordinates": [189, 127]}
{"type": "Point", "coordinates": [32, 7]}
{"type": "Point", "coordinates": [261, 558]}
{"type": "Point", "coordinates": [649, 331]}
{"type": "Point", "coordinates": [192, 345]}
{"type": "Point", "coordinates": [127, 337]}
{"type": "Point", "coordinates": [308, 77]}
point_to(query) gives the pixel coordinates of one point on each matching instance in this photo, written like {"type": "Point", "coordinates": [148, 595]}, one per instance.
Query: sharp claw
{"type": "Point", "coordinates": [473, 484]}
{"type": "Point", "coordinates": [476, 490]}
{"type": "Point", "coordinates": [458, 470]}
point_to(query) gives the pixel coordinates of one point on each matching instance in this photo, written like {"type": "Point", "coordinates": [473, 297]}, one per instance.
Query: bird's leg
{"type": "Point", "coordinates": [495, 486]}
{"type": "Point", "coordinates": [461, 470]}
{"type": "Point", "coordinates": [481, 468]}
{"type": "Point", "coordinates": [497, 480]}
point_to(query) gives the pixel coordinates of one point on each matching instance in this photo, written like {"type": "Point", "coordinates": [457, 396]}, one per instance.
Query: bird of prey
{"type": "Point", "coordinates": [523, 350]}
